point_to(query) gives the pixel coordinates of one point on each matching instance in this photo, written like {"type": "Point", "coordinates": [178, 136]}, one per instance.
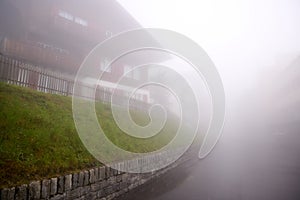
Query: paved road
{"type": "Point", "coordinates": [251, 161]}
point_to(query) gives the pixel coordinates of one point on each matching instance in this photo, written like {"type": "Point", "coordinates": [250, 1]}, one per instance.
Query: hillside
{"type": "Point", "coordinates": [38, 137]}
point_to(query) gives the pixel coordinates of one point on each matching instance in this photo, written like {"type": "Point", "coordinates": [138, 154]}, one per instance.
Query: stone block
{"type": "Point", "coordinates": [125, 177]}
{"type": "Point", "coordinates": [116, 187]}
{"type": "Point", "coordinates": [68, 182]}
{"type": "Point", "coordinates": [108, 190]}
{"type": "Point", "coordinates": [123, 185]}
{"type": "Point", "coordinates": [75, 181]}
{"type": "Point", "coordinates": [3, 193]}
{"type": "Point", "coordinates": [96, 187]}
{"type": "Point", "coordinates": [8, 193]}
{"type": "Point", "coordinates": [104, 183]}
{"type": "Point", "coordinates": [58, 197]}
{"type": "Point", "coordinates": [85, 190]}
{"type": "Point", "coordinates": [119, 178]}
{"type": "Point", "coordinates": [61, 185]}
{"type": "Point", "coordinates": [73, 194]}
{"type": "Point", "coordinates": [91, 196]}
{"type": "Point", "coordinates": [45, 189]}
{"type": "Point", "coordinates": [35, 190]}
{"type": "Point", "coordinates": [53, 186]}
{"type": "Point", "coordinates": [80, 179]}
{"type": "Point", "coordinates": [96, 174]}
{"type": "Point", "coordinates": [21, 192]}
{"type": "Point", "coordinates": [107, 172]}
{"type": "Point", "coordinates": [115, 172]}
{"type": "Point", "coordinates": [86, 178]}
{"type": "Point", "coordinates": [112, 180]}
{"type": "Point", "coordinates": [100, 194]}
{"type": "Point", "coordinates": [11, 193]}
{"type": "Point", "coordinates": [92, 176]}
{"type": "Point", "coordinates": [102, 173]}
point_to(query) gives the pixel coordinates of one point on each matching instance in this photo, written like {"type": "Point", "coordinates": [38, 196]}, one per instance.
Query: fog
{"type": "Point", "coordinates": [247, 40]}
{"type": "Point", "coordinates": [253, 44]}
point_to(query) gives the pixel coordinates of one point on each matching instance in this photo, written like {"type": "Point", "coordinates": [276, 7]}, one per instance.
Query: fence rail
{"type": "Point", "coordinates": [17, 72]}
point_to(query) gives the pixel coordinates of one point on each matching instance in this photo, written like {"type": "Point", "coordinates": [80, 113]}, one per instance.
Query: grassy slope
{"type": "Point", "coordinates": [38, 137]}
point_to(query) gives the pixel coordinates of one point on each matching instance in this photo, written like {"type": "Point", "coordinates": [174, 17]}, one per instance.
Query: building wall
{"type": "Point", "coordinates": [71, 26]}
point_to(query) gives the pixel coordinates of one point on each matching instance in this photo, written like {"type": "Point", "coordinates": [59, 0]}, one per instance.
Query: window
{"type": "Point", "coordinates": [65, 15]}
{"type": "Point", "coordinates": [72, 18]}
{"type": "Point", "coordinates": [108, 34]}
{"type": "Point", "coordinates": [81, 21]}
{"type": "Point", "coordinates": [134, 74]}
{"type": "Point", "coordinates": [103, 66]}
{"type": "Point", "coordinates": [127, 72]}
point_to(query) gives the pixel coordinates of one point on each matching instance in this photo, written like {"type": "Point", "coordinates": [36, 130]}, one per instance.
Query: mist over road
{"type": "Point", "coordinates": [255, 159]}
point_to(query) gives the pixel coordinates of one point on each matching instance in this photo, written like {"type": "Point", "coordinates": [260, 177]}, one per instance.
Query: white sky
{"type": "Point", "coordinates": [243, 37]}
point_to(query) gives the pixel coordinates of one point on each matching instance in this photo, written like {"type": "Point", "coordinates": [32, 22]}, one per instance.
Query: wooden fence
{"type": "Point", "coordinates": [17, 72]}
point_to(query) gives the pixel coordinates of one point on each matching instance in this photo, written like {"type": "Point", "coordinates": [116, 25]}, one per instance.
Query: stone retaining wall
{"type": "Point", "coordinates": [96, 183]}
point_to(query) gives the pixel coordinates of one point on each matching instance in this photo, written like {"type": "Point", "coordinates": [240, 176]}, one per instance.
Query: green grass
{"type": "Point", "coordinates": [38, 138]}
{"type": "Point", "coordinates": [132, 144]}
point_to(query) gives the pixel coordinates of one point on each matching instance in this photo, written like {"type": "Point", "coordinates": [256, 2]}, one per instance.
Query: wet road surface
{"type": "Point", "coordinates": [251, 162]}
